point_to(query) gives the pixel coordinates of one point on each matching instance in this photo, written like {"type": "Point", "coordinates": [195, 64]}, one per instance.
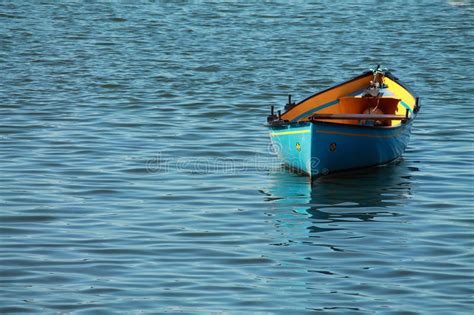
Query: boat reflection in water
{"type": "Point", "coordinates": [346, 238]}
{"type": "Point", "coordinates": [334, 202]}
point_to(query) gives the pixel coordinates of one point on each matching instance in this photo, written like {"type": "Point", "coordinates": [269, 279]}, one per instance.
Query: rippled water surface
{"type": "Point", "coordinates": [136, 174]}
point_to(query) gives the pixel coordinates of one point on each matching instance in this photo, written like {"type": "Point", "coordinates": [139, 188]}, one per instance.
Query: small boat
{"type": "Point", "coordinates": [362, 122]}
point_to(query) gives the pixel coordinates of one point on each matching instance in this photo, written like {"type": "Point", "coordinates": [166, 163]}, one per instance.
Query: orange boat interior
{"type": "Point", "coordinates": [352, 102]}
{"type": "Point", "coordinates": [361, 105]}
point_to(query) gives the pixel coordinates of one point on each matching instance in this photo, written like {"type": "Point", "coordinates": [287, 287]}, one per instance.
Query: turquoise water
{"type": "Point", "coordinates": [136, 174]}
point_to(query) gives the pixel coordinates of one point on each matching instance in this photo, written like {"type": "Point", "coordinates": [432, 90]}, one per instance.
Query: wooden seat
{"type": "Point", "coordinates": [358, 116]}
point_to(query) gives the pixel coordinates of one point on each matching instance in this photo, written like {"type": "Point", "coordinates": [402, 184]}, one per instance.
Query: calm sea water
{"type": "Point", "coordinates": [136, 174]}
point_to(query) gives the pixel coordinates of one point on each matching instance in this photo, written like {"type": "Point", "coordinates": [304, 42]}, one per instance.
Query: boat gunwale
{"type": "Point", "coordinates": [290, 125]}
{"type": "Point", "coordinates": [366, 73]}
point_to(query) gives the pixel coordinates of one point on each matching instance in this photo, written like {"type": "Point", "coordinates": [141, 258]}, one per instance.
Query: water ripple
{"type": "Point", "coordinates": [136, 174]}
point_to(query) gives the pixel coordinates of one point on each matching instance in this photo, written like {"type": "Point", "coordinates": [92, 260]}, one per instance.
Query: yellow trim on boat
{"type": "Point", "coordinates": [290, 132]}
{"type": "Point", "coordinates": [401, 92]}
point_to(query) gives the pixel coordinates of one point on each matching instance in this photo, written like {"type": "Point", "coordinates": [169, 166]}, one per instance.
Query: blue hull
{"type": "Point", "coordinates": [319, 148]}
